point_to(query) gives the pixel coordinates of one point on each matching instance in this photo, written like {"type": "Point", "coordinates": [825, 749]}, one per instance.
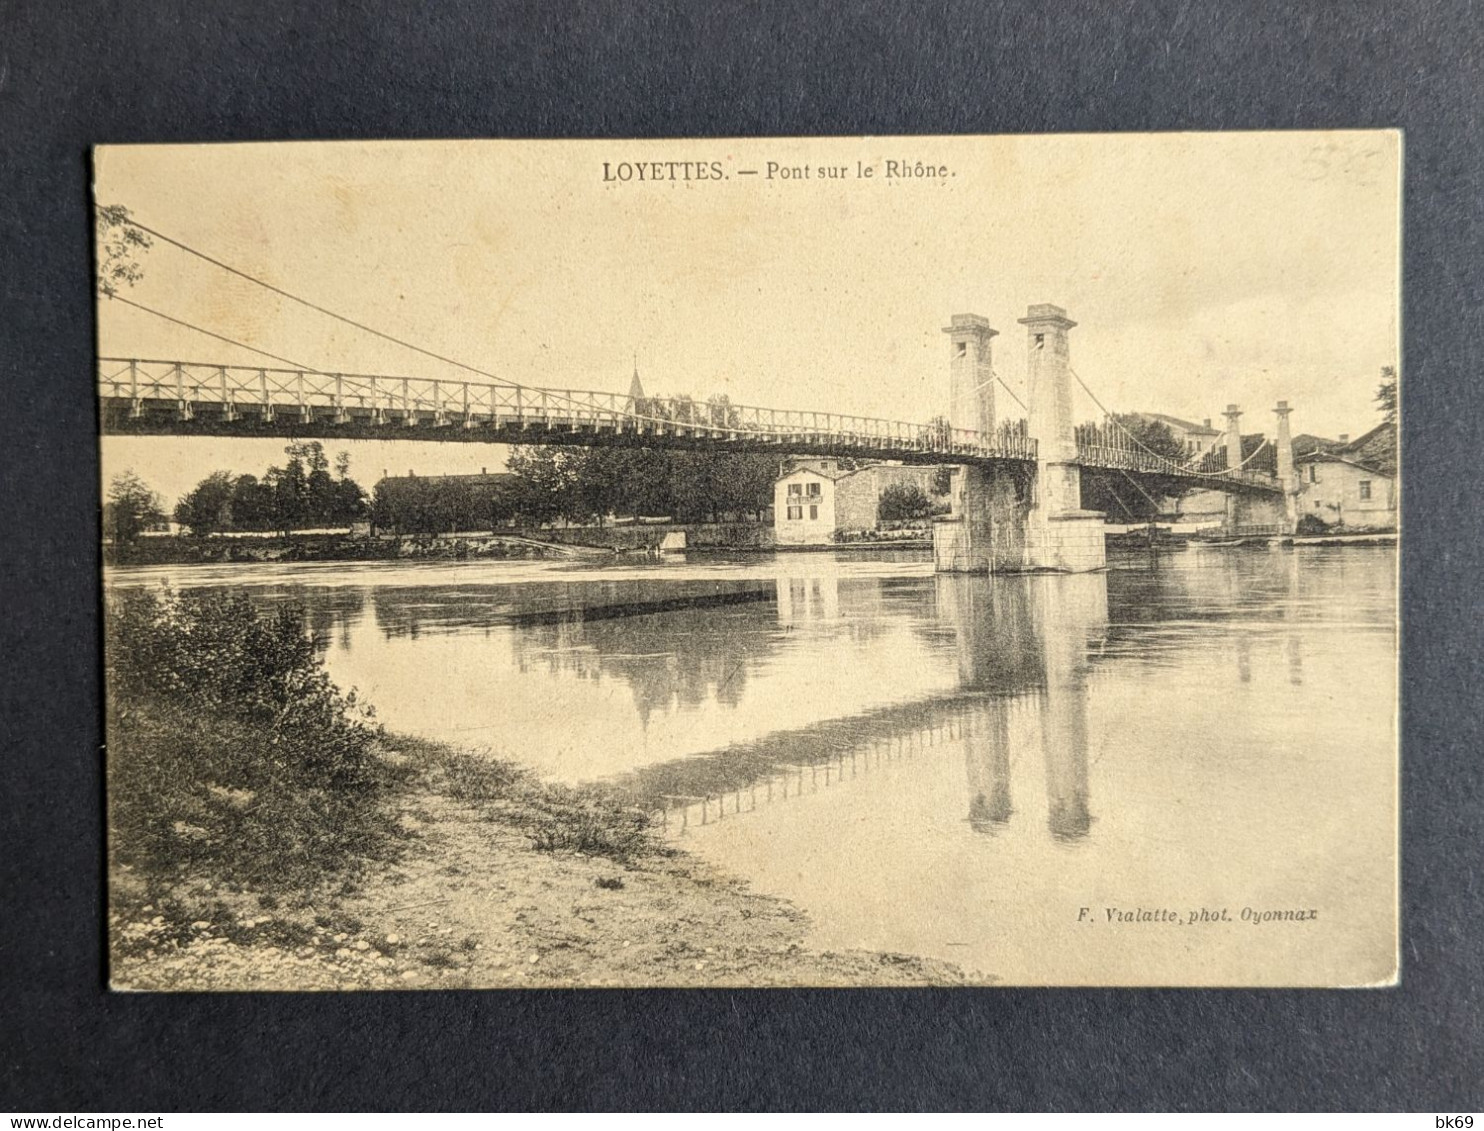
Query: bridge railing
{"type": "Point", "coordinates": [1117, 458]}
{"type": "Point", "coordinates": [236, 391]}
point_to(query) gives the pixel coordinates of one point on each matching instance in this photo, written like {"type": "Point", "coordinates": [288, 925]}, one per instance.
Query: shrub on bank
{"type": "Point", "coordinates": [556, 818]}
{"type": "Point", "coordinates": [231, 754]}
{"type": "Point", "coordinates": [1311, 524]}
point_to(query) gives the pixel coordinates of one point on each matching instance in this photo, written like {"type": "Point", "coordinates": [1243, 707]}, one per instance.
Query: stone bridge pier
{"type": "Point", "coordinates": [1006, 518]}
{"type": "Point", "coordinates": [1248, 512]}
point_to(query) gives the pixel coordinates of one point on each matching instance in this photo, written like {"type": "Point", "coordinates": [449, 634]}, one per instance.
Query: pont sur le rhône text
{"type": "Point", "coordinates": [651, 172]}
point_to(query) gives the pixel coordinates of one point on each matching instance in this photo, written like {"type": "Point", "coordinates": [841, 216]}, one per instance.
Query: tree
{"type": "Point", "coordinates": [720, 413]}
{"type": "Point", "coordinates": [348, 504]}
{"type": "Point", "coordinates": [645, 480]}
{"type": "Point", "coordinates": [289, 488]}
{"type": "Point", "coordinates": [347, 499]}
{"type": "Point", "coordinates": [903, 502]}
{"type": "Point", "coordinates": [502, 504]}
{"type": "Point", "coordinates": [118, 244]}
{"type": "Point", "coordinates": [286, 493]}
{"type": "Point", "coordinates": [749, 478]}
{"type": "Point", "coordinates": [232, 755]}
{"type": "Point", "coordinates": [252, 504]}
{"type": "Point", "coordinates": [942, 480]}
{"type": "Point", "coordinates": [547, 480]}
{"type": "Point", "coordinates": [694, 481]}
{"type": "Point", "coordinates": [1386, 394]}
{"type": "Point", "coordinates": [937, 431]}
{"type": "Point", "coordinates": [598, 485]}
{"type": "Point", "coordinates": [208, 507]}
{"type": "Point", "coordinates": [131, 509]}
{"type": "Point", "coordinates": [317, 496]}
{"type": "Point", "coordinates": [587, 484]}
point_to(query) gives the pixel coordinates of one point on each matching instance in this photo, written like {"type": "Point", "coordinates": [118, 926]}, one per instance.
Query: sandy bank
{"type": "Point", "coordinates": [473, 902]}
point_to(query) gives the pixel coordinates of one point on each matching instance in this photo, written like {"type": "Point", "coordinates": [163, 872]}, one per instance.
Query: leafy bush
{"type": "Point", "coordinates": [230, 751]}
{"type": "Point", "coordinates": [476, 779]}
{"type": "Point", "coordinates": [903, 501]}
{"type": "Point", "coordinates": [1311, 524]}
{"type": "Point", "coordinates": [607, 830]}
{"type": "Point", "coordinates": [557, 818]}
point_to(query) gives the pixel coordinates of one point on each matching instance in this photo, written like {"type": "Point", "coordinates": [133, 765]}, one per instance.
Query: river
{"type": "Point", "coordinates": [976, 769]}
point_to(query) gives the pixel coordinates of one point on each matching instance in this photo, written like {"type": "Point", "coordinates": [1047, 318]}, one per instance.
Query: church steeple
{"type": "Point", "coordinates": [636, 389]}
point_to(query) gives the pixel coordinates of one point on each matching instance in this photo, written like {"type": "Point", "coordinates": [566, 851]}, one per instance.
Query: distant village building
{"type": "Point", "coordinates": [815, 498]}
{"type": "Point", "coordinates": [1197, 438]}
{"type": "Point", "coordinates": [1341, 482]}
{"type": "Point", "coordinates": [1207, 506]}
{"type": "Point", "coordinates": [1351, 483]}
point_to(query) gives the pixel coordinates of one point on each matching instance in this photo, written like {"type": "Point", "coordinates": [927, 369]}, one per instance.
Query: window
{"type": "Point", "coordinates": [963, 348]}
{"type": "Point", "coordinates": [795, 489]}
{"type": "Point", "coordinates": [795, 513]}
{"type": "Point", "coordinates": [1313, 473]}
{"type": "Point", "coordinates": [1365, 489]}
{"type": "Point", "coordinates": [813, 513]}
{"type": "Point", "coordinates": [1040, 341]}
{"type": "Point", "coordinates": [813, 491]}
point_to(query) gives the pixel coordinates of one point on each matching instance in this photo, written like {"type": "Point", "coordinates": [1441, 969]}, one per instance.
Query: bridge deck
{"type": "Point", "coordinates": [185, 399]}
{"type": "Point", "coordinates": [152, 397]}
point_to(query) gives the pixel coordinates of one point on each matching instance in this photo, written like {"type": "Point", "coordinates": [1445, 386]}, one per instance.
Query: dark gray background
{"type": "Point", "coordinates": [72, 75]}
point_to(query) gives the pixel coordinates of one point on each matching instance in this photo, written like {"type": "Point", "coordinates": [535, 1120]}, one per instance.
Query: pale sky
{"type": "Point", "coordinates": [1200, 268]}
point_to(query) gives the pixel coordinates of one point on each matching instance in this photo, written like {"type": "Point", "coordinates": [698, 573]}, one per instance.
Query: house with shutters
{"type": "Point", "coordinates": [1197, 438]}
{"type": "Point", "coordinates": [815, 498]}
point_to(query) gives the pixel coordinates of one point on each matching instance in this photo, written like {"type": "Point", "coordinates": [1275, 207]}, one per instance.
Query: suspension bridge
{"type": "Point", "coordinates": [1016, 491]}
{"type": "Point", "coordinates": [174, 397]}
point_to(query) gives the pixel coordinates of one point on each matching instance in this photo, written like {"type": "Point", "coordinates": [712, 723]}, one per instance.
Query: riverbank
{"type": "Point", "coordinates": [502, 881]}
{"type": "Point", "coordinates": [541, 545]}
{"type": "Point", "coordinates": [320, 547]}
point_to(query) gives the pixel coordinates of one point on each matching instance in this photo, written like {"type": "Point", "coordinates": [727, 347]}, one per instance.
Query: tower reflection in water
{"type": "Point", "coordinates": [1024, 643]}
{"type": "Point", "coordinates": [1022, 648]}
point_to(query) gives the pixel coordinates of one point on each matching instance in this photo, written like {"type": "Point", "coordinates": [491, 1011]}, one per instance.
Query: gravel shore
{"type": "Point", "coordinates": [473, 903]}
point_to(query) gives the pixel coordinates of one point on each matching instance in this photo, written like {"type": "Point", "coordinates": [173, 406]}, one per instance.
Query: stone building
{"type": "Point", "coordinates": [1351, 484]}
{"type": "Point", "coordinates": [1197, 438]}
{"type": "Point", "coordinates": [815, 498]}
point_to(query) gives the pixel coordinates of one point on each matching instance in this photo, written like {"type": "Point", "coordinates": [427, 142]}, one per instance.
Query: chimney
{"type": "Point", "coordinates": [1344, 437]}
{"type": "Point", "coordinates": [1206, 423]}
{"type": "Point", "coordinates": [484, 471]}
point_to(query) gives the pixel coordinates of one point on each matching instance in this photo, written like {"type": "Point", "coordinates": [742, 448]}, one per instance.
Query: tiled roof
{"type": "Point", "coordinates": [1183, 425]}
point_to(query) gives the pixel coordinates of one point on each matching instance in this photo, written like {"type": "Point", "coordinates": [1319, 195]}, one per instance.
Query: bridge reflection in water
{"type": "Point", "coordinates": [945, 765]}
{"type": "Point", "coordinates": [1004, 665]}
{"type": "Point", "coordinates": [1024, 646]}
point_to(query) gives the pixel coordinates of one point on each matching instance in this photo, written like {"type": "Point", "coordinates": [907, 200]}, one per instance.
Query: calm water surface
{"type": "Point", "coordinates": [951, 766]}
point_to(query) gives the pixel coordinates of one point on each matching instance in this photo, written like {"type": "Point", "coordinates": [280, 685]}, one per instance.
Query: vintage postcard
{"type": "Point", "coordinates": [768, 562]}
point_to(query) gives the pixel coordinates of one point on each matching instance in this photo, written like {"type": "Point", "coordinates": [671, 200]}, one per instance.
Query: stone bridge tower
{"type": "Point", "coordinates": [1233, 438]}
{"type": "Point", "coordinates": [971, 374]}
{"type": "Point", "coordinates": [1061, 535]}
{"type": "Point", "coordinates": [1244, 512]}
{"type": "Point", "coordinates": [1287, 479]}
{"type": "Point", "coordinates": [1004, 518]}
